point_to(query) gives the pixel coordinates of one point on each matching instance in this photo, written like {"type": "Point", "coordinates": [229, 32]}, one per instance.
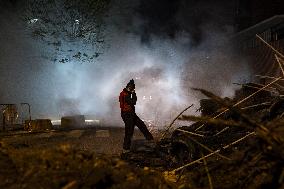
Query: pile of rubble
{"type": "Point", "coordinates": [241, 145]}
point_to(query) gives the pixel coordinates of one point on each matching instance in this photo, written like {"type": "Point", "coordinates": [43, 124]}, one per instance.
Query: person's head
{"type": "Point", "coordinates": [130, 85]}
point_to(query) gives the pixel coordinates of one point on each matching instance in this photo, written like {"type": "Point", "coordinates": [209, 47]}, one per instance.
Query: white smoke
{"type": "Point", "coordinates": [163, 70]}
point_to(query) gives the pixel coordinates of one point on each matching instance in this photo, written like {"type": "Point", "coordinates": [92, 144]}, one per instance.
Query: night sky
{"type": "Point", "coordinates": [74, 57]}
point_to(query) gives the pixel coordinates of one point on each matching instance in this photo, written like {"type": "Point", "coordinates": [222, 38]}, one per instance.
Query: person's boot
{"type": "Point", "coordinates": [124, 154]}
{"type": "Point", "coordinates": [124, 151]}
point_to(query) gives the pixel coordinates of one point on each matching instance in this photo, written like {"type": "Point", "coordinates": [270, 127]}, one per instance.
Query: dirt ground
{"type": "Point", "coordinates": [86, 158]}
{"type": "Point", "coordinates": [91, 158]}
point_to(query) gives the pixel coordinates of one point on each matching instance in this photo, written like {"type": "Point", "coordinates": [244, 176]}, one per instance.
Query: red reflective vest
{"type": "Point", "coordinates": [124, 106]}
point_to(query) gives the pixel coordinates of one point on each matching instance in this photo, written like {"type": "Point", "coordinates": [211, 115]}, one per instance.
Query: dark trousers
{"type": "Point", "coordinates": [131, 119]}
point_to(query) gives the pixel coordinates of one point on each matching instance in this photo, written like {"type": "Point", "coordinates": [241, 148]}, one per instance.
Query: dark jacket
{"type": "Point", "coordinates": [127, 101]}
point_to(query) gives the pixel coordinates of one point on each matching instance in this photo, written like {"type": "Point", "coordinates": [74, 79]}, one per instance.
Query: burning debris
{"type": "Point", "coordinates": [249, 139]}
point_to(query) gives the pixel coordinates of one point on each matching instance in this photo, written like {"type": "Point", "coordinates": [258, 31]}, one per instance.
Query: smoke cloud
{"type": "Point", "coordinates": [164, 55]}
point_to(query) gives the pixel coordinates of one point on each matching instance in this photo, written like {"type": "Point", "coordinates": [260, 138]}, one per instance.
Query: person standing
{"type": "Point", "coordinates": [127, 100]}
